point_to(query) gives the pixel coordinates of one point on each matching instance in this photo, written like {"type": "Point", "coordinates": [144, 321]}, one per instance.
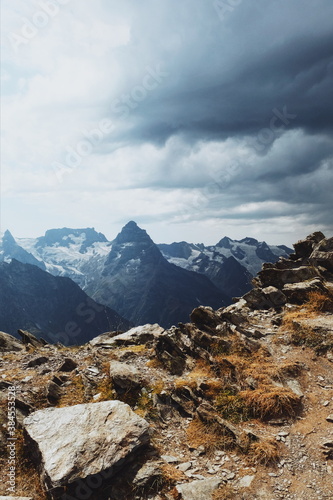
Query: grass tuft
{"type": "Point", "coordinates": [265, 452]}
{"type": "Point", "coordinates": [271, 402]}
{"type": "Point", "coordinates": [208, 435]}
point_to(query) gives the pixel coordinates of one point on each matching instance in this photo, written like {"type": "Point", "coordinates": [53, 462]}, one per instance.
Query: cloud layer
{"type": "Point", "coordinates": [197, 119]}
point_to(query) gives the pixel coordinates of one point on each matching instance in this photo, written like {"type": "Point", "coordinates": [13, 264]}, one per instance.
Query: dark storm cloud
{"type": "Point", "coordinates": [226, 78]}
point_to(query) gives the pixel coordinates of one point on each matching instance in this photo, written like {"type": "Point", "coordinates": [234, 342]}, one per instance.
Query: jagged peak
{"type": "Point", "coordinates": [249, 241]}
{"type": "Point", "coordinates": [7, 237]}
{"type": "Point", "coordinates": [132, 233]}
{"type": "Point", "coordinates": [224, 242]}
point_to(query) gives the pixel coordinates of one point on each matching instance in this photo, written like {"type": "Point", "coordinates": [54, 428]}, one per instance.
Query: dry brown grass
{"type": "Point", "coordinates": [154, 363]}
{"type": "Point", "coordinates": [286, 370]}
{"type": "Point", "coordinates": [201, 372]}
{"type": "Point", "coordinates": [171, 475]}
{"type": "Point", "coordinates": [271, 402]}
{"type": "Point", "coordinates": [27, 477]}
{"type": "Point", "coordinates": [301, 334]}
{"type": "Point", "coordinates": [265, 452]}
{"type": "Point", "coordinates": [74, 394]}
{"type": "Point", "coordinates": [225, 492]}
{"type": "Point", "coordinates": [319, 302]}
{"type": "Point", "coordinates": [209, 436]}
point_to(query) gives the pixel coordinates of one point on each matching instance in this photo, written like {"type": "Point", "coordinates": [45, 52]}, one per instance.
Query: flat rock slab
{"type": "Point", "coordinates": [134, 336]}
{"type": "Point", "coordinates": [199, 490]}
{"type": "Point", "coordinates": [82, 440]}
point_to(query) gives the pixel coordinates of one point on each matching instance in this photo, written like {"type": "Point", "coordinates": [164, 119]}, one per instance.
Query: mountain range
{"type": "Point", "coordinates": [142, 281]}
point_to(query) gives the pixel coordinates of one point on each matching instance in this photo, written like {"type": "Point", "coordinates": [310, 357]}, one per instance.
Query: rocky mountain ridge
{"type": "Point", "coordinates": [235, 404]}
{"type": "Point", "coordinates": [140, 286]}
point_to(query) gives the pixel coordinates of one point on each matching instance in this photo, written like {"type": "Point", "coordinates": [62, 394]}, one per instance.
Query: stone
{"type": "Point", "coordinates": [148, 473]}
{"type": "Point", "coordinates": [280, 277]}
{"type": "Point", "coordinates": [245, 481]}
{"type": "Point", "coordinates": [68, 365]}
{"type": "Point", "coordinates": [205, 318]}
{"type": "Point", "coordinates": [275, 296]}
{"type": "Point", "coordinates": [323, 254]}
{"type": "Point", "coordinates": [199, 490]}
{"type": "Point", "coordinates": [184, 466]}
{"type": "Point", "coordinates": [172, 349]}
{"type": "Point", "coordinates": [53, 392]}
{"type": "Point", "coordinates": [40, 360]}
{"type": "Point", "coordinates": [28, 338]}
{"type": "Point", "coordinates": [303, 248]}
{"type": "Point", "coordinates": [294, 386]}
{"type": "Point", "coordinates": [135, 336]}
{"type": "Point", "coordinates": [170, 459]}
{"type": "Point", "coordinates": [255, 299]}
{"type": "Point", "coordinates": [71, 443]}
{"type": "Point", "coordinates": [329, 418]}
{"type": "Point", "coordinates": [236, 313]}
{"type": "Point", "coordinates": [124, 376]}
{"type": "Point", "coordinates": [9, 343]}
{"type": "Point", "coordinates": [297, 293]}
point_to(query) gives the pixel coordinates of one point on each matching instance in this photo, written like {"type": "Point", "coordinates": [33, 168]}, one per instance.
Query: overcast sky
{"type": "Point", "coordinates": [195, 118]}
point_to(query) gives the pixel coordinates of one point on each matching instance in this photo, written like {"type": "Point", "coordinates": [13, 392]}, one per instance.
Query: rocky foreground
{"type": "Point", "coordinates": [236, 404]}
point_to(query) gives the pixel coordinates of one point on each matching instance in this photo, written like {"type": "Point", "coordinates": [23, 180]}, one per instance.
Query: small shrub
{"type": "Point", "coordinates": [265, 452]}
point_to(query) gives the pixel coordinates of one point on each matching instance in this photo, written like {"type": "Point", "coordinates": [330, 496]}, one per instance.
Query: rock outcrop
{"type": "Point", "coordinates": [9, 343]}
{"type": "Point", "coordinates": [291, 280]}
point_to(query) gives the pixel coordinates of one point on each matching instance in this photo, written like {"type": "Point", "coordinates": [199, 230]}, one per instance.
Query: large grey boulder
{"type": "Point", "coordinates": [135, 336]}
{"type": "Point", "coordinates": [199, 490]}
{"type": "Point", "coordinates": [9, 343]}
{"type": "Point", "coordinates": [72, 443]}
